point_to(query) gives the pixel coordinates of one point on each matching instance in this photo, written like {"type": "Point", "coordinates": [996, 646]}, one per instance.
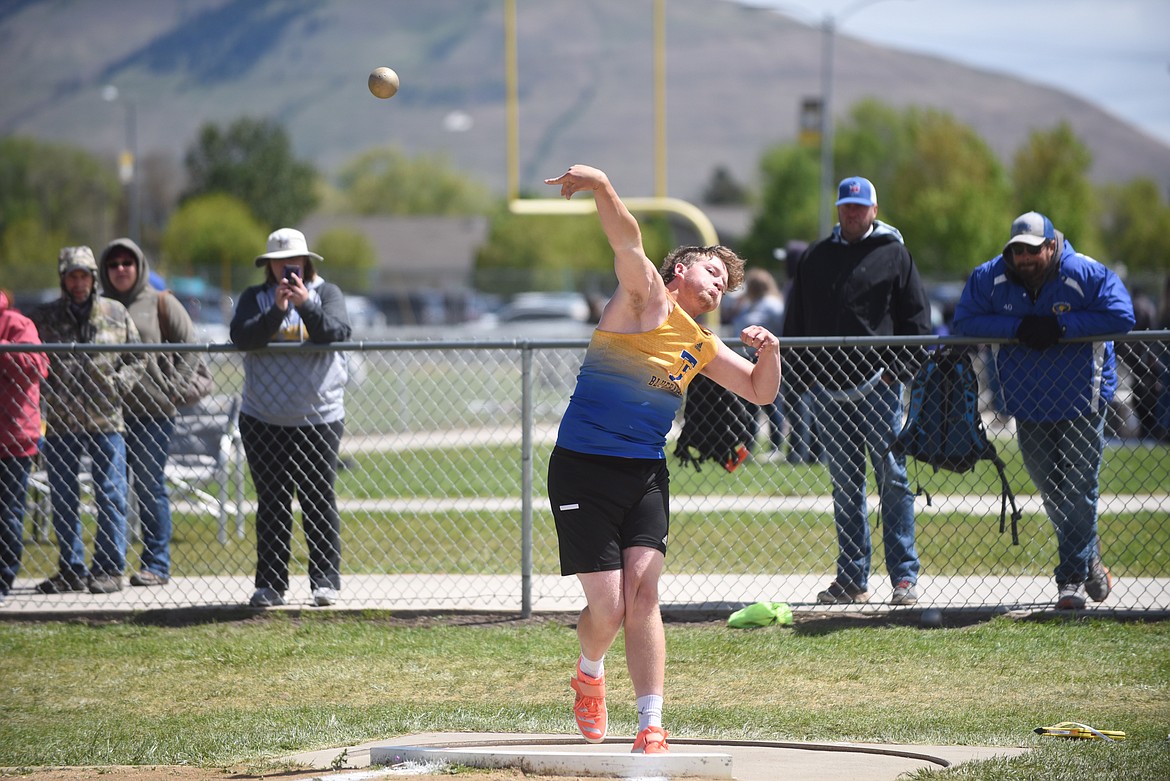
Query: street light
{"type": "Point", "coordinates": [128, 159]}
{"type": "Point", "coordinates": [828, 28]}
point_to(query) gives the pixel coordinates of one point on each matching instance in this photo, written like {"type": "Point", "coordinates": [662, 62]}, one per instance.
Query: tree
{"type": "Point", "coordinates": [529, 252]}
{"type": "Point", "coordinates": [28, 255]}
{"type": "Point", "coordinates": [349, 258]}
{"type": "Point", "coordinates": [68, 193]}
{"type": "Point", "coordinates": [789, 202]}
{"type": "Point", "coordinates": [252, 160]}
{"type": "Point", "coordinates": [1050, 174]}
{"type": "Point", "coordinates": [386, 181]}
{"type": "Point", "coordinates": [1136, 227]}
{"type": "Point", "coordinates": [538, 252]}
{"type": "Point", "coordinates": [214, 235]}
{"type": "Point", "coordinates": [949, 196]}
{"type": "Point", "coordinates": [937, 182]}
{"type": "Point", "coordinates": [874, 141]}
{"type": "Point", "coordinates": [723, 189]}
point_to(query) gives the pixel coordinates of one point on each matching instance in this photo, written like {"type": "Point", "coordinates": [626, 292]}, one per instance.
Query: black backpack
{"type": "Point", "coordinates": [944, 428]}
{"type": "Point", "coordinates": [716, 426]}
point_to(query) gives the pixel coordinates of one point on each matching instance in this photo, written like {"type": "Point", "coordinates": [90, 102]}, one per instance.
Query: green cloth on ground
{"type": "Point", "coordinates": [761, 614]}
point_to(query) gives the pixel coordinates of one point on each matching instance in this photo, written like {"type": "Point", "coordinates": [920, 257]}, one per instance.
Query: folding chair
{"type": "Point", "coordinates": [206, 450]}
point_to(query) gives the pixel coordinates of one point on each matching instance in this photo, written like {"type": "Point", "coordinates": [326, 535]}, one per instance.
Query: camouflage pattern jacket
{"type": "Point", "coordinates": [84, 391]}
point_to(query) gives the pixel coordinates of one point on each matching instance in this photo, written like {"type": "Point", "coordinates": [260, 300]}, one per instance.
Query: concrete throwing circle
{"type": "Point", "coordinates": [712, 759]}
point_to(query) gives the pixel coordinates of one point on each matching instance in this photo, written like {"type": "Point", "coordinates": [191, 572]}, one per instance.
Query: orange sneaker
{"type": "Point", "coordinates": [589, 707]}
{"type": "Point", "coordinates": [651, 740]}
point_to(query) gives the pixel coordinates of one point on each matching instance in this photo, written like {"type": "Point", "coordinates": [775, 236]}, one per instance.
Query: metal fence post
{"type": "Point", "coordinates": [526, 480]}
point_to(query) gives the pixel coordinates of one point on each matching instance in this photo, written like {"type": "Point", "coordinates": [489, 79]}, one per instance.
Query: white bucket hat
{"type": "Point", "coordinates": [286, 243]}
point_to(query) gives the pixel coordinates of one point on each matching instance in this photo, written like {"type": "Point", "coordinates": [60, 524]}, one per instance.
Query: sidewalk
{"type": "Point", "coordinates": [554, 594]}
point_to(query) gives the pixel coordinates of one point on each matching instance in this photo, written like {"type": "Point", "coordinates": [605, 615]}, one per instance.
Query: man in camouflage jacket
{"type": "Point", "coordinates": [83, 415]}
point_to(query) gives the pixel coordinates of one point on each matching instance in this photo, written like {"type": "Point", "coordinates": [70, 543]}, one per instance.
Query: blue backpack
{"type": "Point", "coordinates": [944, 428]}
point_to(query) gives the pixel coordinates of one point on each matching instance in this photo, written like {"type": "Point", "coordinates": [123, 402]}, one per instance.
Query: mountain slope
{"type": "Point", "coordinates": [735, 79]}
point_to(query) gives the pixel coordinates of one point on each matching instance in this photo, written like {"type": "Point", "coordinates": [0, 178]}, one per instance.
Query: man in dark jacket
{"type": "Point", "coordinates": [861, 281]}
{"type": "Point", "coordinates": [1043, 292]}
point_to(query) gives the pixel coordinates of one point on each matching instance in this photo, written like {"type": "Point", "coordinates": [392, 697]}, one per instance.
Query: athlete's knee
{"type": "Point", "coordinates": [641, 596]}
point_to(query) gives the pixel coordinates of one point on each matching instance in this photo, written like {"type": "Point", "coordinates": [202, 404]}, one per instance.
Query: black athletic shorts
{"type": "Point", "coordinates": [603, 505]}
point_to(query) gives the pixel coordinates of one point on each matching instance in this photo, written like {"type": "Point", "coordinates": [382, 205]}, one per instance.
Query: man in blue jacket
{"type": "Point", "coordinates": [1044, 294]}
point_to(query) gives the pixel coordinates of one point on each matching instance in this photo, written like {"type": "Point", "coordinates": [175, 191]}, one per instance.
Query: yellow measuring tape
{"type": "Point", "coordinates": [1074, 729]}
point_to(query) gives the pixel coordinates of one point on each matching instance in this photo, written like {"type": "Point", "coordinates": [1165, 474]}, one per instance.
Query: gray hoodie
{"type": "Point", "coordinates": [151, 398]}
{"type": "Point", "coordinates": [290, 388]}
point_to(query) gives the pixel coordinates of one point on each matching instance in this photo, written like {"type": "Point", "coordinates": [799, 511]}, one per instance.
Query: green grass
{"type": "Point", "coordinates": [495, 471]}
{"type": "Point", "coordinates": [486, 542]}
{"type": "Point", "coordinates": [482, 542]}
{"type": "Point", "coordinates": [764, 540]}
{"type": "Point", "coordinates": [216, 694]}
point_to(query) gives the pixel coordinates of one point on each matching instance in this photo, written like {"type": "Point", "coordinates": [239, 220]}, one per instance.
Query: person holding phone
{"type": "Point", "coordinates": [293, 414]}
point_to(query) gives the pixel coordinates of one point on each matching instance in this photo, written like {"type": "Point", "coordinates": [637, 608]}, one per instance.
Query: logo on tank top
{"type": "Point", "coordinates": [685, 364]}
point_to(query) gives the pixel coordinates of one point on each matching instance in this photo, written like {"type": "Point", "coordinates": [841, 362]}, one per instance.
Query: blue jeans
{"type": "Point", "coordinates": [14, 471]}
{"type": "Point", "coordinates": [147, 442]}
{"type": "Point", "coordinates": [851, 430]}
{"type": "Point", "coordinates": [1162, 404]}
{"type": "Point", "coordinates": [62, 455]}
{"type": "Point", "coordinates": [1063, 458]}
{"type": "Point", "coordinates": [803, 439]}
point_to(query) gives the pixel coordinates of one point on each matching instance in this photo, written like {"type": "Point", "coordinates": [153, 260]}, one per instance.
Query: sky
{"type": "Point", "coordinates": [1113, 53]}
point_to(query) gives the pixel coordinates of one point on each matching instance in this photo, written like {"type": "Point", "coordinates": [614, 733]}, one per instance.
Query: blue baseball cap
{"type": "Point", "coordinates": [856, 190]}
{"type": "Point", "coordinates": [1032, 228]}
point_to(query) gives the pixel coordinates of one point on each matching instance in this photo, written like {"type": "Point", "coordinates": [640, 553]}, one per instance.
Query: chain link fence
{"type": "Point", "coordinates": [441, 492]}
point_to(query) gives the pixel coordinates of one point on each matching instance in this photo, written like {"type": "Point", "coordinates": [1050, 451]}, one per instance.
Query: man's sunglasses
{"type": "Point", "coordinates": [1027, 249]}
{"type": "Point", "coordinates": [127, 263]}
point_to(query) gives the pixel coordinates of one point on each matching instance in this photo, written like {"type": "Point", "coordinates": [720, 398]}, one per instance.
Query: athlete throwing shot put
{"type": "Point", "coordinates": [608, 482]}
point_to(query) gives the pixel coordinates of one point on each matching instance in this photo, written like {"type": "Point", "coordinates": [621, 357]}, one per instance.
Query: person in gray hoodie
{"type": "Point", "coordinates": [293, 414]}
{"type": "Point", "coordinates": [149, 411]}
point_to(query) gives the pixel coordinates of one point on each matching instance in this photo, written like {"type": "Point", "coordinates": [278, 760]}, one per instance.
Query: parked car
{"type": "Point", "coordinates": [545, 306]}
{"type": "Point", "coordinates": [365, 318]}
{"type": "Point", "coordinates": [540, 315]}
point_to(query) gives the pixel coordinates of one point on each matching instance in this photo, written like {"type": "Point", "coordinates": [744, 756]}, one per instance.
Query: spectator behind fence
{"type": "Point", "coordinates": [1162, 404]}
{"type": "Point", "coordinates": [762, 304]}
{"type": "Point", "coordinates": [293, 414]}
{"type": "Point", "coordinates": [804, 442]}
{"type": "Point", "coordinates": [20, 434]}
{"type": "Point", "coordinates": [1041, 291]}
{"type": "Point", "coordinates": [608, 483]}
{"type": "Point", "coordinates": [83, 397]}
{"type": "Point", "coordinates": [861, 281]}
{"type": "Point", "coordinates": [1141, 358]}
{"type": "Point", "coordinates": [149, 411]}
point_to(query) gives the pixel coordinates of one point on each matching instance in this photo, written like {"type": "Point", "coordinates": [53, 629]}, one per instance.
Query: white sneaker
{"type": "Point", "coordinates": [324, 596]}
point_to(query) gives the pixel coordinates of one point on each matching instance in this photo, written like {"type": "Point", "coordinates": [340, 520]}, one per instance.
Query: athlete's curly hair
{"type": "Point", "coordinates": [689, 254]}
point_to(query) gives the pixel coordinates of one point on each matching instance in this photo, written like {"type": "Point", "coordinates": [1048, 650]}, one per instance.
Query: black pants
{"type": "Point", "coordinates": [300, 459]}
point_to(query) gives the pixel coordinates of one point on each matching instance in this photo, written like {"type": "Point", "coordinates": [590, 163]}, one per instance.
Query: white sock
{"type": "Point", "coordinates": [649, 711]}
{"type": "Point", "coordinates": [594, 669]}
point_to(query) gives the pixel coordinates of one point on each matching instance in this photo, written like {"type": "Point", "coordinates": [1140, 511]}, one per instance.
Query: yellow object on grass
{"type": "Point", "coordinates": [1074, 729]}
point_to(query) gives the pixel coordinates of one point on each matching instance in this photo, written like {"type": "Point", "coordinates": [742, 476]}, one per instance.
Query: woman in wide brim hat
{"type": "Point", "coordinates": [293, 414]}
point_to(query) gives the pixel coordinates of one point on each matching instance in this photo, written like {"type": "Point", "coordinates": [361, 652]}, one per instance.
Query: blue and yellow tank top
{"type": "Point", "coordinates": [631, 385]}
